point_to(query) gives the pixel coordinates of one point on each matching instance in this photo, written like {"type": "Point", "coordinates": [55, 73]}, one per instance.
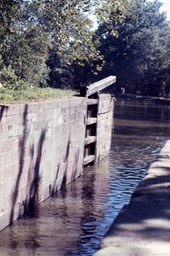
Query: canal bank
{"type": "Point", "coordinates": [74, 221]}
{"type": "Point", "coordinates": [142, 227]}
{"type": "Point", "coordinates": [159, 100]}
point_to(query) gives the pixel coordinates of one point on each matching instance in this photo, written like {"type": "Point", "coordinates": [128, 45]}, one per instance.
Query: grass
{"type": "Point", "coordinates": [32, 94]}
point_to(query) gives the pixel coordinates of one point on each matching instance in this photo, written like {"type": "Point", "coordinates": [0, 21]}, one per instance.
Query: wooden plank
{"type": "Point", "coordinates": [92, 120]}
{"type": "Point", "coordinates": [100, 85]}
{"type": "Point", "coordinates": [92, 101]}
{"type": "Point", "coordinates": [88, 159]}
{"type": "Point", "coordinates": [96, 87]}
{"type": "Point", "coordinates": [90, 139]}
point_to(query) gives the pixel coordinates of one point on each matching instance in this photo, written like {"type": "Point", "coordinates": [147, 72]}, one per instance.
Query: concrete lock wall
{"type": "Point", "coordinates": [42, 149]}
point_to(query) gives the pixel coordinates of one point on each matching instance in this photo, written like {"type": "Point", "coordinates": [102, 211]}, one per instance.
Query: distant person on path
{"type": "Point", "coordinates": [122, 90]}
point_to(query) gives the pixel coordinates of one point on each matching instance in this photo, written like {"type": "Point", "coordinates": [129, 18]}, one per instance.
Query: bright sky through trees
{"type": "Point", "coordinates": [166, 7]}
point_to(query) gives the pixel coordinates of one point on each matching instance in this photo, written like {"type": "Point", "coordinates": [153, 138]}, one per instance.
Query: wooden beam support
{"type": "Point", "coordinates": [96, 87]}
{"type": "Point", "coordinates": [100, 85]}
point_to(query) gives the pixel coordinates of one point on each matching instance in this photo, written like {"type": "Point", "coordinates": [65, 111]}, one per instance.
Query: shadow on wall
{"type": "Point", "coordinates": [32, 198]}
{"type": "Point", "coordinates": [22, 143]}
{"type": "Point", "coordinates": [61, 181]}
{"type": "Point", "coordinates": [62, 171]}
{"type": "Point", "coordinates": [2, 109]}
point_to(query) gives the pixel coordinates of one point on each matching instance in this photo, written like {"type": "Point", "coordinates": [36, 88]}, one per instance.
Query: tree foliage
{"type": "Point", "coordinates": [53, 42]}
{"type": "Point", "coordinates": [24, 44]}
{"type": "Point", "coordinates": [44, 40]}
{"type": "Point", "coordinates": [8, 16]}
{"type": "Point", "coordinates": [139, 56]}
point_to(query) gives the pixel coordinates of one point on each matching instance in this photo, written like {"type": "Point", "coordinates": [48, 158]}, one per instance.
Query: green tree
{"type": "Point", "coordinates": [55, 34]}
{"type": "Point", "coordinates": [24, 45]}
{"type": "Point", "coordinates": [75, 46]}
{"type": "Point", "coordinates": [139, 55]}
{"type": "Point", "coordinates": [8, 16]}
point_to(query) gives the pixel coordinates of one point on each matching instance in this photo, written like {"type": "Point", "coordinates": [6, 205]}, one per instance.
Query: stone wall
{"type": "Point", "coordinates": [42, 149]}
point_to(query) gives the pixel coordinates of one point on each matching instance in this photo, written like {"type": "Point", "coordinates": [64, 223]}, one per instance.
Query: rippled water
{"type": "Point", "coordinates": [76, 219]}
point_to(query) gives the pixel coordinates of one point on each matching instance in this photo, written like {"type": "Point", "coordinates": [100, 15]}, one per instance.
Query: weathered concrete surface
{"type": "Point", "coordinates": [143, 227]}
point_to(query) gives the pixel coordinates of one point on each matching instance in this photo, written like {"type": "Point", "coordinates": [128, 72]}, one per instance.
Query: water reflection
{"type": "Point", "coordinates": [75, 220]}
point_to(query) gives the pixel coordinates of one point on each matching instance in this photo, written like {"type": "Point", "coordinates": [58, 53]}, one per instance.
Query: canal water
{"type": "Point", "coordinates": [73, 222]}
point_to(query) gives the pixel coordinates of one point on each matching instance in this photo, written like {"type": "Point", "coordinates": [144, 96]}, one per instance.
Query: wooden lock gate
{"type": "Point", "coordinates": [91, 92]}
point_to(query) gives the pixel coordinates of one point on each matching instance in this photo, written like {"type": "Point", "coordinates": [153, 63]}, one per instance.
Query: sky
{"type": "Point", "coordinates": [166, 7]}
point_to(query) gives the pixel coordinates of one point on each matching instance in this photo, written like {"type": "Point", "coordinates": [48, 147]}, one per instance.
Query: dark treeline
{"type": "Point", "coordinates": [53, 43]}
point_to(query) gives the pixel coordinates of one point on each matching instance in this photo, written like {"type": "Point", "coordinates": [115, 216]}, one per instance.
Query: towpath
{"type": "Point", "coordinates": [143, 227]}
